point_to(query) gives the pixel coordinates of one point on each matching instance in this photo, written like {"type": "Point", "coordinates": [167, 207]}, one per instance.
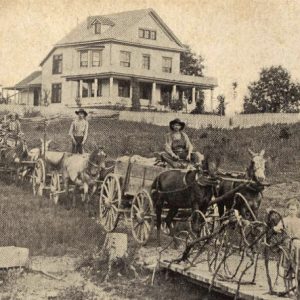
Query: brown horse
{"type": "Point", "coordinates": [251, 192]}
{"type": "Point", "coordinates": [176, 189]}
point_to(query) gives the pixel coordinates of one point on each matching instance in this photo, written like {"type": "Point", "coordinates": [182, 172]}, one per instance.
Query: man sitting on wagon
{"type": "Point", "coordinates": [179, 147]}
{"type": "Point", "coordinates": [13, 129]}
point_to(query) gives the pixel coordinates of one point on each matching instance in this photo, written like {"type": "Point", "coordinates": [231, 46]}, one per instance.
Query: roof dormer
{"type": "Point", "coordinates": [97, 27]}
{"type": "Point", "coordinates": [99, 24]}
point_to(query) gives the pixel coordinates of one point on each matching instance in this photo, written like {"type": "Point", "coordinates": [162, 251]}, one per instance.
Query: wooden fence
{"type": "Point", "coordinates": [203, 121]}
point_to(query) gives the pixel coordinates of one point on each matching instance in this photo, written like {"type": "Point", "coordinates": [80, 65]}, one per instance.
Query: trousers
{"type": "Point", "coordinates": [78, 146]}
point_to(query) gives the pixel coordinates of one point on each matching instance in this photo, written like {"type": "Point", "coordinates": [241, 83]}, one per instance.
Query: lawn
{"type": "Point", "coordinates": [125, 138]}
{"type": "Point", "coordinates": [34, 223]}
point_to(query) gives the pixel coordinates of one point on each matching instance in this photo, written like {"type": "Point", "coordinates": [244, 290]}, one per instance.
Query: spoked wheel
{"type": "Point", "coordinates": [141, 214]}
{"type": "Point", "coordinates": [55, 187]}
{"type": "Point", "coordinates": [38, 178]}
{"type": "Point", "coordinates": [110, 201]}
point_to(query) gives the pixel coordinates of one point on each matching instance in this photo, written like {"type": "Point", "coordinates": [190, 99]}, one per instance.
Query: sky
{"type": "Point", "coordinates": [237, 38]}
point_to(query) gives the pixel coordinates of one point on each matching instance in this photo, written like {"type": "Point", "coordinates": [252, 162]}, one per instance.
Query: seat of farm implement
{"type": "Point", "coordinates": [54, 158]}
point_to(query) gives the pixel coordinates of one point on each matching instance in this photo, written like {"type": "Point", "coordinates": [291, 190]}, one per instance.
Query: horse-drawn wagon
{"type": "Point", "coordinates": [126, 192]}
{"type": "Point", "coordinates": [15, 163]}
{"type": "Point", "coordinates": [67, 173]}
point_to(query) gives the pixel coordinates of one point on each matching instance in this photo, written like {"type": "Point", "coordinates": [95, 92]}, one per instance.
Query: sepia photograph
{"type": "Point", "coordinates": [149, 149]}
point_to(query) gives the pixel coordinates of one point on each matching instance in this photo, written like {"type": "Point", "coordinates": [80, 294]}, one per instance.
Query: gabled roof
{"type": "Point", "coordinates": [119, 23]}
{"type": "Point", "coordinates": [34, 78]}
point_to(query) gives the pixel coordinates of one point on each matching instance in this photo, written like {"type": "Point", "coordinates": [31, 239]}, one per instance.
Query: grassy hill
{"type": "Point", "coordinates": [122, 137]}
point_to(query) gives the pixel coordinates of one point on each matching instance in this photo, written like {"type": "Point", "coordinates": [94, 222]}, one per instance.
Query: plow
{"type": "Point", "coordinates": [231, 251]}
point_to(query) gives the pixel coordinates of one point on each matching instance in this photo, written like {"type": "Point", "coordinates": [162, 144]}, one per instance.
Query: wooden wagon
{"type": "Point", "coordinates": [46, 176]}
{"type": "Point", "coordinates": [126, 193]}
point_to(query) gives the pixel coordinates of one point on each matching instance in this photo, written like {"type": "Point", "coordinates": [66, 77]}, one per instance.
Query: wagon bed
{"type": "Point", "coordinates": [136, 176]}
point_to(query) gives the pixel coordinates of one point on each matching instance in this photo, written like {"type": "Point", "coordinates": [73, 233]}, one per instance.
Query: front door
{"type": "Point", "coordinates": [166, 94]}
{"type": "Point", "coordinates": [36, 97]}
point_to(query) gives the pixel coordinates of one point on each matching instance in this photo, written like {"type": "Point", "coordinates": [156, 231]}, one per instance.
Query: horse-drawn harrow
{"type": "Point", "coordinates": [236, 250]}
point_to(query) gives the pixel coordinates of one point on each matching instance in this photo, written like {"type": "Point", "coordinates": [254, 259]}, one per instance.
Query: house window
{"type": "Point", "coordinates": [97, 28]}
{"type": "Point", "coordinates": [84, 59]}
{"type": "Point", "coordinates": [57, 64]}
{"type": "Point", "coordinates": [124, 88]}
{"type": "Point", "coordinates": [56, 93]}
{"type": "Point", "coordinates": [147, 34]}
{"type": "Point", "coordinates": [153, 35]}
{"type": "Point", "coordinates": [96, 58]}
{"type": "Point", "coordinates": [141, 33]}
{"type": "Point", "coordinates": [125, 59]}
{"type": "Point", "coordinates": [146, 62]}
{"type": "Point", "coordinates": [167, 64]}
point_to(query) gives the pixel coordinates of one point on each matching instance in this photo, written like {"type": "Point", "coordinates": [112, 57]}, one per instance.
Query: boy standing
{"type": "Point", "coordinates": [79, 131]}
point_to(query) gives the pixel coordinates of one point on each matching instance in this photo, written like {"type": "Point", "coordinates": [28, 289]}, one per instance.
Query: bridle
{"type": "Point", "coordinates": [93, 165]}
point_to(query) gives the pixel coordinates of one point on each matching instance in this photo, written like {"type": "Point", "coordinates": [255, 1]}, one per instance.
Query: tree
{"type": "Point", "coordinates": [136, 104]}
{"type": "Point", "coordinates": [191, 63]}
{"type": "Point", "coordinates": [273, 92]}
{"type": "Point", "coordinates": [45, 98]}
{"type": "Point", "coordinates": [199, 103]}
{"type": "Point", "coordinates": [221, 105]}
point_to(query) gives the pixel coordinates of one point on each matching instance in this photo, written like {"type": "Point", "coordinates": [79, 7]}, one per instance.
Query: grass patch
{"type": "Point", "coordinates": [125, 138]}
{"type": "Point", "coordinates": [27, 222]}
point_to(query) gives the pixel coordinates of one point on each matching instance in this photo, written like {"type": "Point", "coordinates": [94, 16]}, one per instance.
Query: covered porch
{"type": "Point", "coordinates": [26, 92]}
{"type": "Point", "coordinates": [153, 93]}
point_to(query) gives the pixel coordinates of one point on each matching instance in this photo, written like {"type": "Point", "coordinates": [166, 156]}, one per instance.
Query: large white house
{"type": "Point", "coordinates": [106, 59]}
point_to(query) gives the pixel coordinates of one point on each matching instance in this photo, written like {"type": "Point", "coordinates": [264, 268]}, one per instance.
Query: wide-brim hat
{"type": "Point", "coordinates": [177, 121]}
{"type": "Point", "coordinates": [13, 114]}
{"type": "Point", "coordinates": [81, 111]}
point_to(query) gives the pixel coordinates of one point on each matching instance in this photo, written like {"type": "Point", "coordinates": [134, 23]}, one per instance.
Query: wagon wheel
{"type": "Point", "coordinates": [38, 177]}
{"type": "Point", "coordinates": [55, 187]}
{"type": "Point", "coordinates": [141, 214]}
{"type": "Point", "coordinates": [110, 201]}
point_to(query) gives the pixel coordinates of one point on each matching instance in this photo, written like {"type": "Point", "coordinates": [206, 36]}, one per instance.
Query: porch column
{"type": "Point", "coordinates": [130, 90]}
{"type": "Point", "coordinates": [80, 89]}
{"type": "Point", "coordinates": [96, 87]}
{"type": "Point", "coordinates": [193, 94]}
{"type": "Point", "coordinates": [111, 82]}
{"type": "Point", "coordinates": [153, 94]}
{"type": "Point", "coordinates": [174, 91]}
{"type": "Point", "coordinates": [15, 96]}
{"type": "Point", "coordinates": [211, 99]}
{"type": "Point", "coordinates": [28, 96]}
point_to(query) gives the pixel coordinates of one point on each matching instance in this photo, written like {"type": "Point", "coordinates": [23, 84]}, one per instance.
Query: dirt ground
{"type": "Point", "coordinates": [67, 282]}
{"type": "Point", "coordinates": [51, 277]}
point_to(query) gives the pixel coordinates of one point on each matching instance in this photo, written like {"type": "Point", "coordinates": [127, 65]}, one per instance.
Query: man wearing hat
{"type": "Point", "coordinates": [14, 127]}
{"type": "Point", "coordinates": [178, 145]}
{"type": "Point", "coordinates": [79, 131]}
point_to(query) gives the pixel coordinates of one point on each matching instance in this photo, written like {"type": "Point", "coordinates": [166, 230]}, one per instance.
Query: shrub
{"type": "Point", "coordinates": [31, 113]}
